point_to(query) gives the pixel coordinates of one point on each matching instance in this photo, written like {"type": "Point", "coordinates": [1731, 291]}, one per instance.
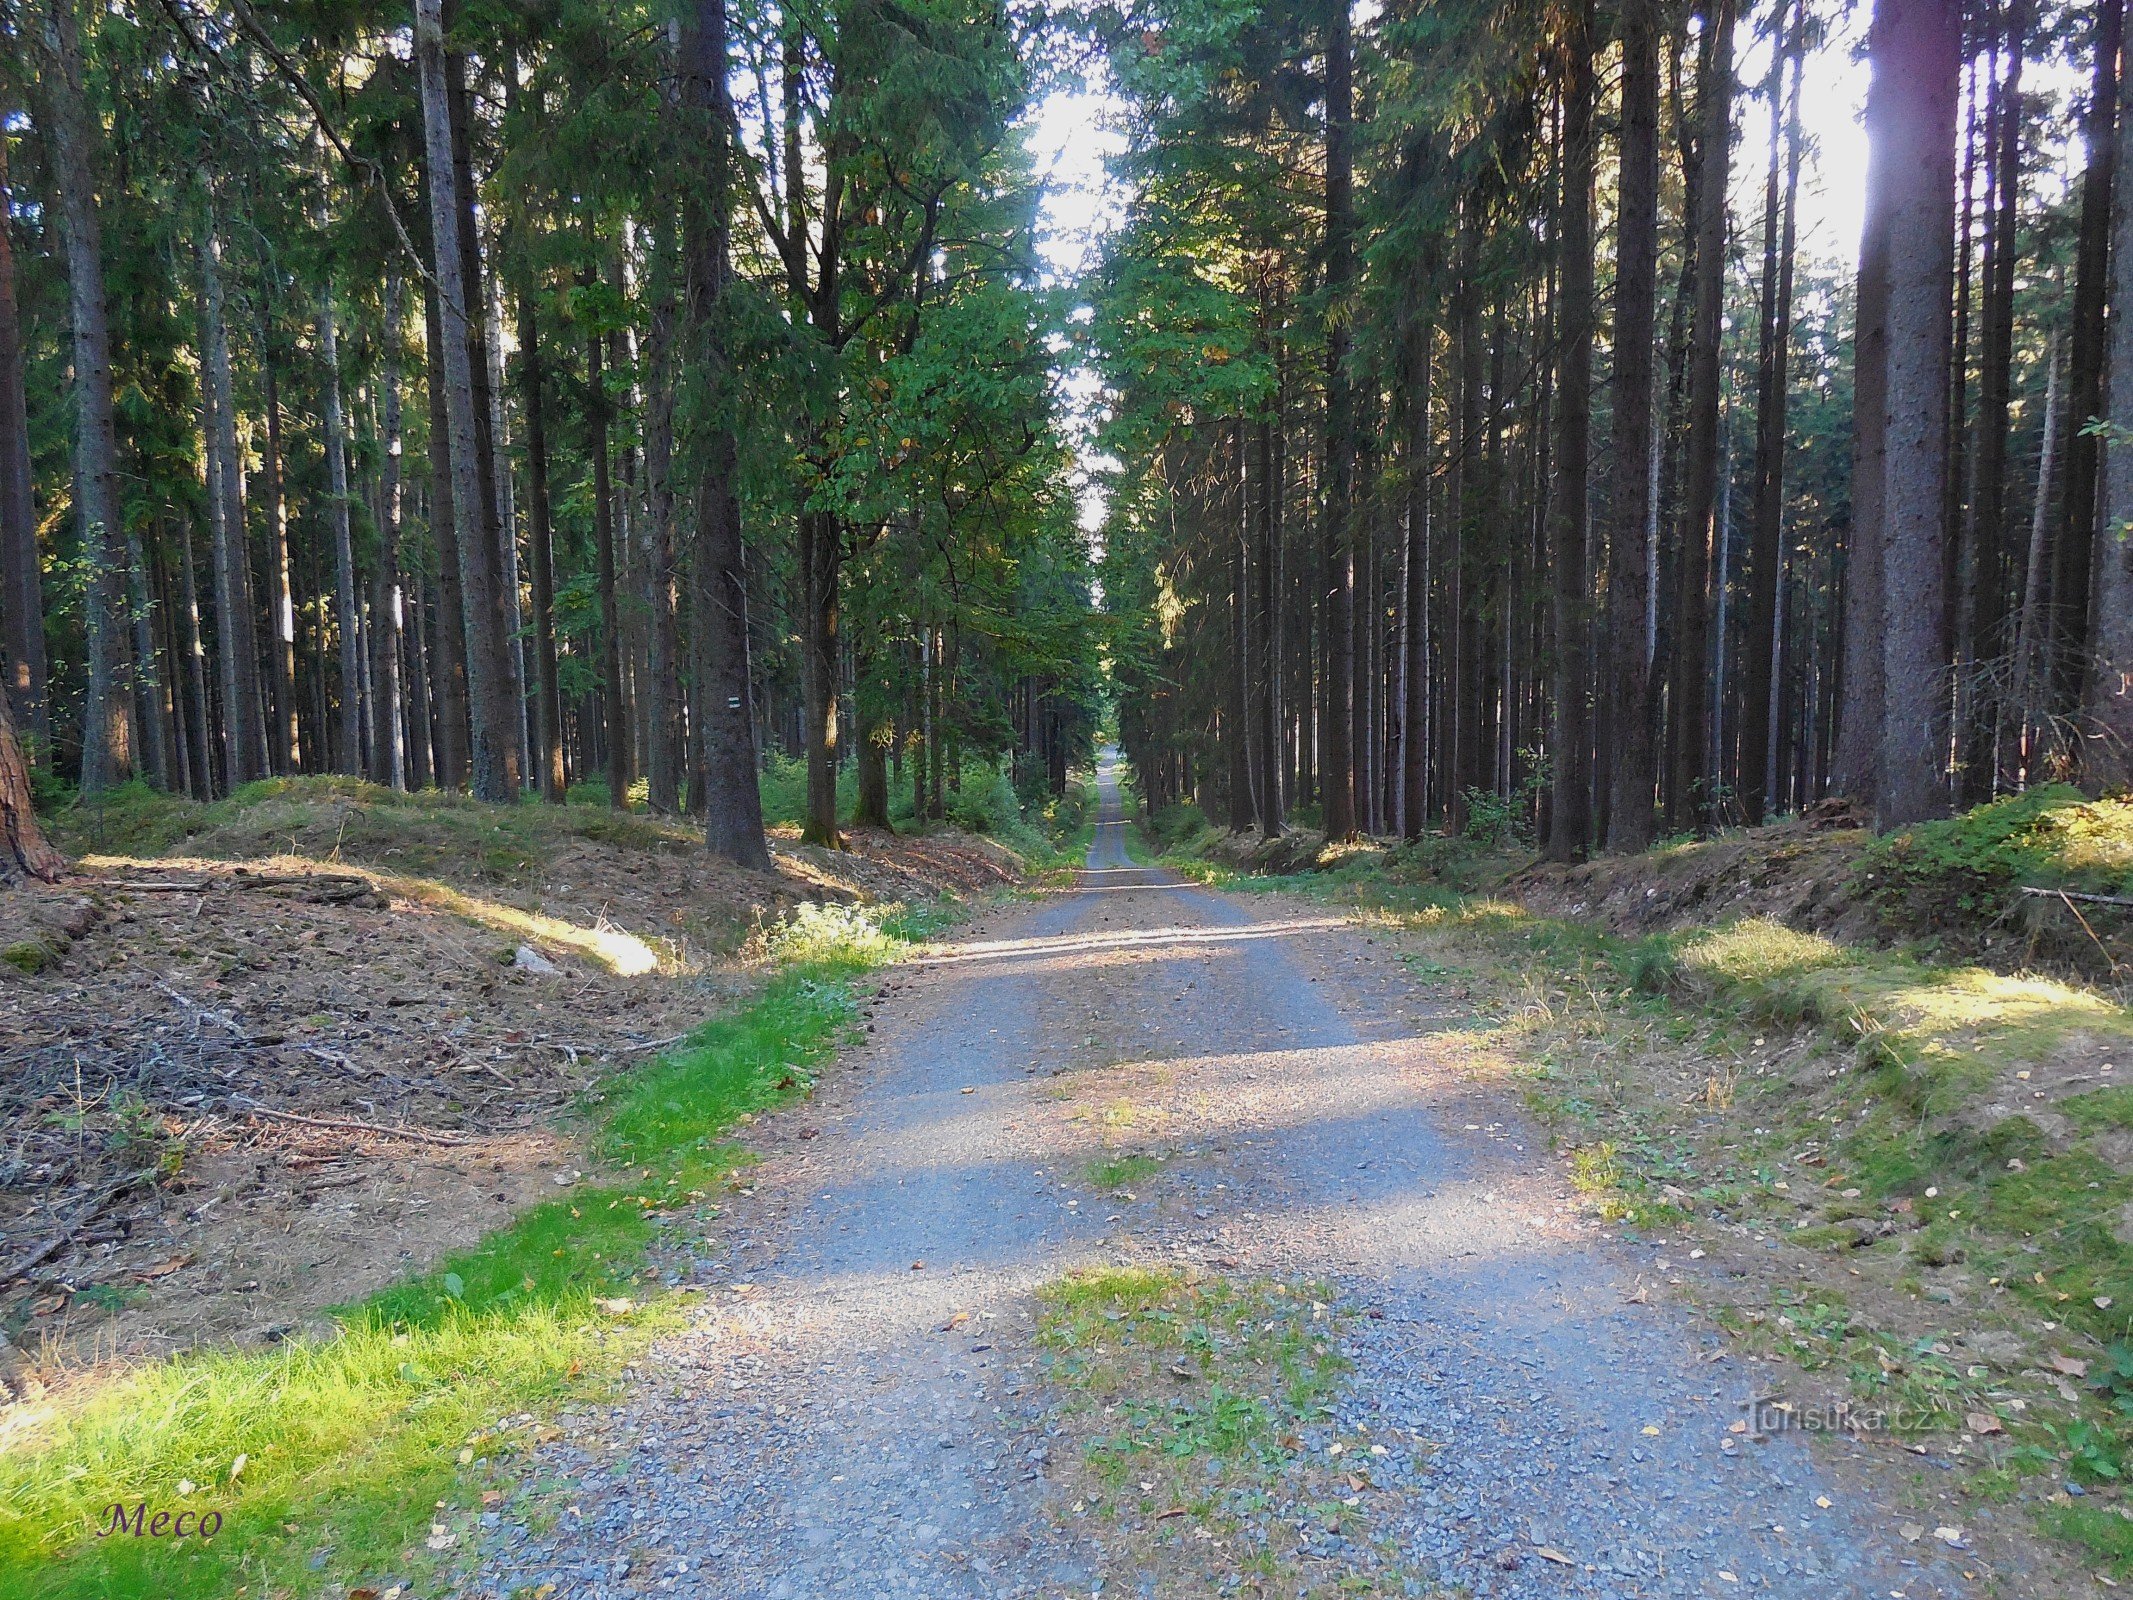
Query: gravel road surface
{"type": "Point", "coordinates": [857, 1410]}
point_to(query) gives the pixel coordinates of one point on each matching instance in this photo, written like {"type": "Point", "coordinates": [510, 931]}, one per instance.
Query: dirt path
{"type": "Point", "coordinates": [858, 1410]}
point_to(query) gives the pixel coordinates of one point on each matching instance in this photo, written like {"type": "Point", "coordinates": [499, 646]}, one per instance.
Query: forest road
{"type": "Point", "coordinates": [857, 1409]}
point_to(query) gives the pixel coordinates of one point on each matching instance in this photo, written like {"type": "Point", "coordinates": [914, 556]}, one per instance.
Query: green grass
{"type": "Point", "coordinates": [326, 1457]}
{"type": "Point", "coordinates": [1121, 1172]}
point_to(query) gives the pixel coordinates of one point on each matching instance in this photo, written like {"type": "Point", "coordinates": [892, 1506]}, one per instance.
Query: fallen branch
{"type": "Point", "coordinates": [351, 1125]}
{"type": "Point", "coordinates": [2075, 894]}
{"type": "Point", "coordinates": [41, 1252]}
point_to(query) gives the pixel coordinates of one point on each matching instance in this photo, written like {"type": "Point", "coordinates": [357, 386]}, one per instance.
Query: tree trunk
{"type": "Point", "coordinates": [1918, 62]}
{"type": "Point", "coordinates": [2106, 747]}
{"type": "Point", "coordinates": [1337, 558]}
{"type": "Point", "coordinates": [1986, 564]}
{"type": "Point", "coordinates": [2073, 554]}
{"type": "Point", "coordinates": [1267, 603]}
{"type": "Point", "coordinates": [448, 616]}
{"type": "Point", "coordinates": [348, 741]}
{"type": "Point", "coordinates": [1570, 730]}
{"type": "Point", "coordinates": [732, 796]}
{"type": "Point", "coordinates": [2022, 713]}
{"type": "Point", "coordinates": [1629, 825]}
{"type": "Point", "coordinates": [1414, 708]}
{"type": "Point", "coordinates": [1689, 694]}
{"type": "Point", "coordinates": [493, 715]}
{"type": "Point", "coordinates": [106, 754]}
{"type": "Point", "coordinates": [1236, 697]}
{"type": "Point", "coordinates": [23, 850]}
{"type": "Point", "coordinates": [21, 572]}
{"type": "Point", "coordinates": [388, 742]}
{"type": "Point", "coordinates": [1855, 769]}
{"type": "Point", "coordinates": [540, 538]}
{"type": "Point", "coordinates": [243, 729]}
{"type": "Point", "coordinates": [284, 744]}
{"type": "Point", "coordinates": [613, 691]}
{"type": "Point", "coordinates": [1766, 560]}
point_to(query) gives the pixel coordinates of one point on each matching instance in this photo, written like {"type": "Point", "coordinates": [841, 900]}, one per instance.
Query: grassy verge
{"type": "Point", "coordinates": [1200, 1409]}
{"type": "Point", "coordinates": [366, 1454]}
{"type": "Point", "coordinates": [1921, 1166]}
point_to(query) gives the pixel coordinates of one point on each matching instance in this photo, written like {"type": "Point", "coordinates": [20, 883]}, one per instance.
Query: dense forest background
{"type": "Point", "coordinates": [614, 402]}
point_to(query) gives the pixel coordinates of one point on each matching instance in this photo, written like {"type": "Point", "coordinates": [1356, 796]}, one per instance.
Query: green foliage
{"type": "Point", "coordinates": [1939, 880]}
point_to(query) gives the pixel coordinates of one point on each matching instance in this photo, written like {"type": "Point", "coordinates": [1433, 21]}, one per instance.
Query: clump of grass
{"type": "Point", "coordinates": [1118, 1172]}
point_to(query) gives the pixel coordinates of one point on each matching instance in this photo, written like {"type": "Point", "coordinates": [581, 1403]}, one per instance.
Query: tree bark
{"type": "Point", "coordinates": [1266, 512]}
{"type": "Point", "coordinates": [1855, 769]}
{"type": "Point", "coordinates": [732, 796]}
{"type": "Point", "coordinates": [1414, 710]}
{"type": "Point", "coordinates": [448, 616]}
{"type": "Point", "coordinates": [243, 729]}
{"type": "Point", "coordinates": [285, 747]}
{"type": "Point", "coordinates": [540, 539]}
{"type": "Point", "coordinates": [1917, 61]}
{"type": "Point", "coordinates": [493, 715]}
{"type": "Point", "coordinates": [106, 753]}
{"type": "Point", "coordinates": [1689, 696]}
{"type": "Point", "coordinates": [1629, 824]}
{"type": "Point", "coordinates": [1766, 562]}
{"type": "Point", "coordinates": [1337, 558]}
{"type": "Point", "coordinates": [348, 730]}
{"type": "Point", "coordinates": [24, 852]}
{"type": "Point", "coordinates": [612, 689]}
{"type": "Point", "coordinates": [1236, 700]}
{"type": "Point", "coordinates": [2106, 746]}
{"type": "Point", "coordinates": [389, 742]}
{"type": "Point", "coordinates": [21, 572]}
{"type": "Point", "coordinates": [2073, 552]}
{"type": "Point", "coordinates": [1570, 731]}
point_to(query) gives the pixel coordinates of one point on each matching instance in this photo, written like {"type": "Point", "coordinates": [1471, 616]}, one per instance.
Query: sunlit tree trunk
{"type": "Point", "coordinates": [389, 741]}
{"type": "Point", "coordinates": [493, 715]}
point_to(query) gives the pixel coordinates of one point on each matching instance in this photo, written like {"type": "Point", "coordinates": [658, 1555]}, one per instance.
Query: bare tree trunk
{"type": "Point", "coordinates": [388, 742]}
{"type": "Point", "coordinates": [1267, 516]}
{"type": "Point", "coordinates": [2106, 746]}
{"type": "Point", "coordinates": [348, 741]}
{"type": "Point", "coordinates": [732, 796]}
{"type": "Point", "coordinates": [195, 649]}
{"type": "Point", "coordinates": [284, 745]}
{"type": "Point", "coordinates": [23, 850]}
{"type": "Point", "coordinates": [1918, 62]}
{"type": "Point", "coordinates": [1629, 824]}
{"type": "Point", "coordinates": [493, 715]}
{"type": "Point", "coordinates": [243, 728]}
{"type": "Point", "coordinates": [1570, 729]}
{"type": "Point", "coordinates": [21, 574]}
{"type": "Point", "coordinates": [1688, 696]}
{"type": "Point", "coordinates": [2073, 555]}
{"type": "Point", "coordinates": [448, 616]}
{"type": "Point", "coordinates": [540, 539]}
{"type": "Point", "coordinates": [1986, 565]}
{"type": "Point", "coordinates": [2022, 712]}
{"type": "Point", "coordinates": [613, 693]}
{"type": "Point", "coordinates": [1236, 700]}
{"type": "Point", "coordinates": [1414, 731]}
{"type": "Point", "coordinates": [1337, 557]}
{"type": "Point", "coordinates": [1856, 765]}
{"type": "Point", "coordinates": [106, 754]}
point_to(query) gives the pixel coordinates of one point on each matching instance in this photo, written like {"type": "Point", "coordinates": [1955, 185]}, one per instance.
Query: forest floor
{"type": "Point", "coordinates": [261, 1058]}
